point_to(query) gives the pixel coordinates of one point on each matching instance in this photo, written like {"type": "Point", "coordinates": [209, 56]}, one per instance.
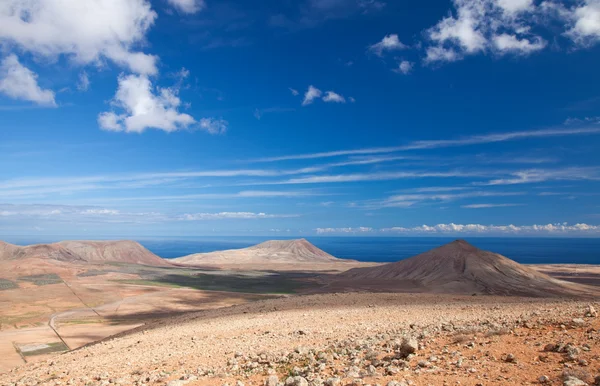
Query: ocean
{"type": "Point", "coordinates": [387, 249]}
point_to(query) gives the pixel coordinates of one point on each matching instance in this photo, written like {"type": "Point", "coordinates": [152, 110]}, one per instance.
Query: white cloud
{"type": "Point", "coordinates": [441, 54]}
{"type": "Point", "coordinates": [75, 213]}
{"type": "Point", "coordinates": [293, 91]}
{"type": "Point", "coordinates": [84, 82]}
{"type": "Point", "coordinates": [214, 126]}
{"type": "Point", "coordinates": [586, 18]}
{"type": "Point", "coordinates": [344, 230]}
{"type": "Point", "coordinates": [188, 6]}
{"type": "Point", "coordinates": [85, 30]}
{"type": "Point", "coordinates": [19, 82]}
{"type": "Point", "coordinates": [510, 43]}
{"type": "Point", "coordinates": [378, 176]}
{"type": "Point", "coordinates": [513, 6]}
{"type": "Point", "coordinates": [351, 99]}
{"type": "Point", "coordinates": [404, 67]}
{"type": "Point", "coordinates": [479, 26]}
{"type": "Point", "coordinates": [230, 215]}
{"type": "Point", "coordinates": [407, 200]}
{"type": "Point", "coordinates": [311, 94]}
{"type": "Point", "coordinates": [541, 175]}
{"type": "Point", "coordinates": [548, 229]}
{"type": "Point", "coordinates": [388, 43]}
{"type": "Point", "coordinates": [331, 96]}
{"type": "Point", "coordinates": [443, 143]}
{"type": "Point", "coordinates": [143, 109]}
{"type": "Point", "coordinates": [484, 206]}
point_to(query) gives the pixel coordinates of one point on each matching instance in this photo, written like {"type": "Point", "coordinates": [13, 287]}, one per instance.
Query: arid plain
{"type": "Point", "coordinates": [211, 319]}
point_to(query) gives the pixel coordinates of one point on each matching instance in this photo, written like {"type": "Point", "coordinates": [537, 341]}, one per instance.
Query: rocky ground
{"type": "Point", "coordinates": [346, 339]}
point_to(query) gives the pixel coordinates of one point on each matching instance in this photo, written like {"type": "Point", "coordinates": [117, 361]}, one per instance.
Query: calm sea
{"type": "Point", "coordinates": [385, 249]}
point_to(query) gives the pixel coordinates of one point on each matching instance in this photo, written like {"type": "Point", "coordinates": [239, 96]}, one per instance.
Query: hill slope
{"type": "Point", "coordinates": [458, 267]}
{"type": "Point", "coordinates": [273, 254]}
{"type": "Point", "coordinates": [123, 251]}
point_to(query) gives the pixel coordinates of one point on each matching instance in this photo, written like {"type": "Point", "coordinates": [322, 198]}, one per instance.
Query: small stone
{"type": "Point", "coordinates": [333, 382]}
{"type": "Point", "coordinates": [272, 381]}
{"type": "Point", "coordinates": [544, 379]}
{"type": "Point", "coordinates": [409, 346]}
{"type": "Point", "coordinates": [578, 322]}
{"type": "Point", "coordinates": [573, 381]}
{"type": "Point", "coordinates": [510, 358]}
{"type": "Point", "coordinates": [591, 312]}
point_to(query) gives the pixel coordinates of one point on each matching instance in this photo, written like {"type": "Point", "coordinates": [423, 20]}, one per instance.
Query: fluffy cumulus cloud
{"type": "Point", "coordinates": [404, 67]}
{"type": "Point", "coordinates": [582, 20]}
{"type": "Point", "coordinates": [19, 82]}
{"type": "Point", "coordinates": [387, 44]}
{"type": "Point", "coordinates": [498, 26]}
{"type": "Point", "coordinates": [188, 6]}
{"type": "Point", "coordinates": [142, 106]}
{"type": "Point", "coordinates": [87, 31]}
{"type": "Point", "coordinates": [331, 96]}
{"type": "Point", "coordinates": [311, 94]}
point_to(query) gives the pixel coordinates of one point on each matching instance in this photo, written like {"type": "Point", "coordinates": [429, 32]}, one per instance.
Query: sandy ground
{"type": "Point", "coordinates": [86, 309]}
{"type": "Point", "coordinates": [81, 310]}
{"type": "Point", "coordinates": [189, 345]}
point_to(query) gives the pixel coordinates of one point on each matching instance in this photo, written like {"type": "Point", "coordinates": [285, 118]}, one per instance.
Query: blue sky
{"type": "Point", "coordinates": [313, 117]}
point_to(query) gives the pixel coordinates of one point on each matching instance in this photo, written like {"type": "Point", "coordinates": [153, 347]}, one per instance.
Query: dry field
{"type": "Point", "coordinates": [45, 314]}
{"type": "Point", "coordinates": [352, 339]}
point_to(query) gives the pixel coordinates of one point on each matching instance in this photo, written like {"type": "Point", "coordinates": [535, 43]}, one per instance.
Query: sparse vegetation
{"type": "Point", "coordinates": [39, 280]}
{"type": "Point", "coordinates": [6, 284]}
{"type": "Point", "coordinates": [46, 348]}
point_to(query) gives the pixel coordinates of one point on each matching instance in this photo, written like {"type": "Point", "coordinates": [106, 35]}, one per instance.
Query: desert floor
{"type": "Point", "coordinates": [355, 337]}
{"type": "Point", "coordinates": [38, 320]}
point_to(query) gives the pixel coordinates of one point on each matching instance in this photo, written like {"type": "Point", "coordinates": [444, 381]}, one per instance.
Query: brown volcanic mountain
{"type": "Point", "coordinates": [274, 254]}
{"type": "Point", "coordinates": [458, 267]}
{"type": "Point", "coordinates": [123, 251]}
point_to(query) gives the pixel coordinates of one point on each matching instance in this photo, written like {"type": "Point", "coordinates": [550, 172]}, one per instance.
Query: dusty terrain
{"type": "Point", "coordinates": [418, 339]}
{"type": "Point", "coordinates": [195, 324]}
{"type": "Point", "coordinates": [277, 255]}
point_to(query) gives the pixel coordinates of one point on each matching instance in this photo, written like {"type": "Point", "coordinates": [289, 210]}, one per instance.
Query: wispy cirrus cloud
{"type": "Point", "coordinates": [96, 214]}
{"type": "Point", "coordinates": [541, 175]}
{"type": "Point", "coordinates": [410, 199]}
{"type": "Point", "coordinates": [443, 143]}
{"type": "Point", "coordinates": [485, 206]}
{"type": "Point", "coordinates": [232, 215]}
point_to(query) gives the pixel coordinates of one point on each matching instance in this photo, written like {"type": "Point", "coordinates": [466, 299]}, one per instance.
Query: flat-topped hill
{"type": "Point", "coordinates": [297, 254]}
{"type": "Point", "coordinates": [122, 251]}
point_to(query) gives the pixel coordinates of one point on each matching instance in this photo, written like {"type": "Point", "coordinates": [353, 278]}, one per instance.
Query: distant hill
{"type": "Point", "coordinates": [291, 254]}
{"type": "Point", "coordinates": [123, 251]}
{"type": "Point", "coordinates": [457, 267]}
